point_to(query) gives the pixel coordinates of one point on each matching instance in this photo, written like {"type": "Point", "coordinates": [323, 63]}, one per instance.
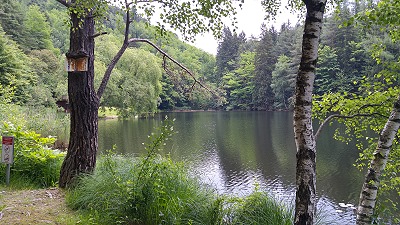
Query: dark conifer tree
{"type": "Point", "coordinates": [228, 52]}
{"type": "Point", "coordinates": [264, 62]}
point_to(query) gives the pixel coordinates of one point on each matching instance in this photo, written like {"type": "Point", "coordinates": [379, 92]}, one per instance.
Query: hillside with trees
{"type": "Point", "coordinates": [33, 61]}
{"type": "Point", "coordinates": [248, 73]}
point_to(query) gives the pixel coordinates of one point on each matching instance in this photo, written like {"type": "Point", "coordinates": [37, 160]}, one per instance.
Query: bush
{"type": "Point", "coordinates": [34, 161]}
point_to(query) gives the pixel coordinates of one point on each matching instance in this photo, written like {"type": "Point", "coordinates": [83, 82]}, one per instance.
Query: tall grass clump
{"type": "Point", "coordinates": [259, 208]}
{"type": "Point", "coordinates": [150, 189]}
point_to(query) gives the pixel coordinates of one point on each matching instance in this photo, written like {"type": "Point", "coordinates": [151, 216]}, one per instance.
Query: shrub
{"type": "Point", "coordinates": [34, 161]}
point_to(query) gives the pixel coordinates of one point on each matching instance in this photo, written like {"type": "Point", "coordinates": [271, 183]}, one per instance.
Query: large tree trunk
{"type": "Point", "coordinates": [370, 187]}
{"type": "Point", "coordinates": [82, 149]}
{"type": "Point", "coordinates": [303, 131]}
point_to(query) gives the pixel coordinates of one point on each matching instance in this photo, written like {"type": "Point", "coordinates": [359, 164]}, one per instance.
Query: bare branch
{"type": "Point", "coordinates": [127, 21]}
{"type": "Point", "coordinates": [165, 55]}
{"type": "Point", "coordinates": [64, 2]}
{"type": "Point", "coordinates": [99, 34]}
{"type": "Point", "coordinates": [109, 69]}
{"type": "Point", "coordinates": [345, 117]}
{"type": "Point", "coordinates": [118, 56]}
{"type": "Point", "coordinates": [125, 45]}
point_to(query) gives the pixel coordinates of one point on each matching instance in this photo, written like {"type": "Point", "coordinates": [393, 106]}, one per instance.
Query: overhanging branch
{"type": "Point", "coordinates": [126, 44]}
{"type": "Point", "coordinates": [371, 105]}
{"type": "Point", "coordinates": [329, 118]}
{"type": "Point", "coordinates": [166, 56]}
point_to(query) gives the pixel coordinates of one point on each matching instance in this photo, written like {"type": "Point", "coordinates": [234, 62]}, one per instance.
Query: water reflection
{"type": "Point", "coordinates": [233, 151]}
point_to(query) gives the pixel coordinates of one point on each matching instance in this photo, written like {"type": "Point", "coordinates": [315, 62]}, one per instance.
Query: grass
{"type": "Point", "coordinates": [47, 122]}
{"type": "Point", "coordinates": [38, 206]}
{"type": "Point", "coordinates": [260, 208]}
{"type": "Point", "coordinates": [47, 206]}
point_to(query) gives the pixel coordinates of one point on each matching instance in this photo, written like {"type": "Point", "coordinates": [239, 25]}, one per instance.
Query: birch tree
{"type": "Point", "coordinates": [369, 191]}
{"type": "Point", "coordinates": [302, 118]}
{"type": "Point", "coordinates": [358, 114]}
{"type": "Point", "coordinates": [189, 17]}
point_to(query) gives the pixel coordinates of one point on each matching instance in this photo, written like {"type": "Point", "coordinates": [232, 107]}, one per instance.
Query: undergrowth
{"type": "Point", "coordinates": [35, 164]}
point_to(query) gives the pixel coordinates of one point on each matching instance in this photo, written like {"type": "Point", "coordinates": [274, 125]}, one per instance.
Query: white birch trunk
{"type": "Point", "coordinates": [303, 131]}
{"type": "Point", "coordinates": [370, 187]}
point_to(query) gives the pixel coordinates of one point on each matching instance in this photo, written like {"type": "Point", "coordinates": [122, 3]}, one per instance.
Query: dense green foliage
{"type": "Point", "coordinates": [345, 57]}
{"type": "Point", "coordinates": [14, 68]}
{"type": "Point", "coordinates": [34, 64]}
{"type": "Point", "coordinates": [34, 161]}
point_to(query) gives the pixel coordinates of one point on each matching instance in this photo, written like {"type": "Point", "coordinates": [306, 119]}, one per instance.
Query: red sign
{"type": "Point", "coordinates": [8, 140]}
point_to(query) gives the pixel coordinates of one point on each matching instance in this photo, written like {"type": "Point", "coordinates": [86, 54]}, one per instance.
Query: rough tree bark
{"type": "Point", "coordinates": [84, 103]}
{"type": "Point", "coordinates": [370, 187]}
{"type": "Point", "coordinates": [302, 120]}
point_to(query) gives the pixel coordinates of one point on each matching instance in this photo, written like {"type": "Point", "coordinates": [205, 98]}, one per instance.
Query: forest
{"type": "Point", "coordinates": [248, 73]}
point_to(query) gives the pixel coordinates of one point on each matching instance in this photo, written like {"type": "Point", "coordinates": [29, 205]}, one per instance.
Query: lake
{"type": "Point", "coordinates": [236, 151]}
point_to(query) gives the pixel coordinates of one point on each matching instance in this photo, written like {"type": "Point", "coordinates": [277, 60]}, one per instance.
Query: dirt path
{"type": "Point", "coordinates": [43, 206]}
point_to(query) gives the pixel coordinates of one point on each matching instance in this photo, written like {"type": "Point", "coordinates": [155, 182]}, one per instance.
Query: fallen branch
{"type": "Point", "coordinates": [166, 56]}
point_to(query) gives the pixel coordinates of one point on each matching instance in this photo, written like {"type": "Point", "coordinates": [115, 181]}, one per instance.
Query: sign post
{"type": "Point", "coordinates": [7, 155]}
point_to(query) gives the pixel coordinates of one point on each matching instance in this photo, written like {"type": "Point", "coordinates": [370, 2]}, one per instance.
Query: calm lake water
{"type": "Point", "coordinates": [234, 151]}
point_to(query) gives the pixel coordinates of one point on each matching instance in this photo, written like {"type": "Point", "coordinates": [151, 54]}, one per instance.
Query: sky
{"type": "Point", "coordinates": [250, 18]}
